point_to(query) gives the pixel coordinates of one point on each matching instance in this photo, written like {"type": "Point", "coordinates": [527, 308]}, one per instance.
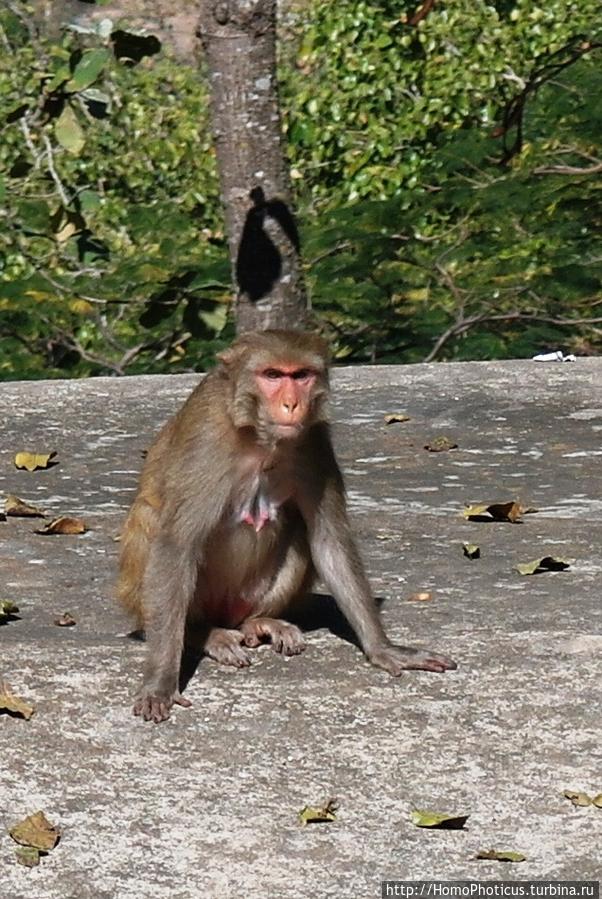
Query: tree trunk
{"type": "Point", "coordinates": [239, 40]}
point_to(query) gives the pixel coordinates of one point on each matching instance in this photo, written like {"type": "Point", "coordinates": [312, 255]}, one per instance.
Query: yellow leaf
{"type": "Point", "coordinates": [13, 704]}
{"type": "Point", "coordinates": [318, 815]}
{"type": "Point", "coordinates": [81, 307]}
{"type": "Point", "coordinates": [37, 831]}
{"type": "Point", "coordinates": [33, 461]}
{"type": "Point", "coordinates": [471, 550]}
{"type": "Point", "coordinates": [579, 799]}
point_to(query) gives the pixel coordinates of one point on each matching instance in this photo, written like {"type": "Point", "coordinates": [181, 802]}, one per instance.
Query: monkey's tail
{"type": "Point", "coordinates": [139, 529]}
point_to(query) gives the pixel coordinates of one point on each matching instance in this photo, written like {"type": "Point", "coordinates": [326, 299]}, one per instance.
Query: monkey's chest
{"type": "Point", "coordinates": [260, 504]}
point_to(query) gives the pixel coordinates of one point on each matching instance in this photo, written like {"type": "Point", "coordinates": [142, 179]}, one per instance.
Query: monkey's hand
{"type": "Point", "coordinates": [396, 659]}
{"type": "Point", "coordinates": [154, 706]}
{"type": "Point", "coordinates": [284, 637]}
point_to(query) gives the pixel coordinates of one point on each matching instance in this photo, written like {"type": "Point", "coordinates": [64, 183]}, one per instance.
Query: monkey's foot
{"type": "Point", "coordinates": [156, 707]}
{"type": "Point", "coordinates": [227, 647]}
{"type": "Point", "coordinates": [284, 637]}
{"type": "Point", "coordinates": [396, 659]}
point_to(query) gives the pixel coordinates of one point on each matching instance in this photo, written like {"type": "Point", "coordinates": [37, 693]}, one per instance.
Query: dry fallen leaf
{"type": "Point", "coordinates": [510, 511]}
{"type": "Point", "coordinates": [319, 815]}
{"type": "Point", "coordinates": [63, 525]}
{"type": "Point", "coordinates": [597, 800]}
{"type": "Point", "coordinates": [18, 508]}
{"type": "Point", "coordinates": [496, 856]}
{"type": "Point", "coordinates": [422, 818]}
{"type": "Point", "coordinates": [37, 831]}
{"type": "Point", "coordinates": [421, 596]}
{"type": "Point", "coordinates": [548, 563]}
{"type": "Point", "coordinates": [7, 610]}
{"type": "Point", "coordinates": [396, 417]}
{"type": "Point", "coordinates": [33, 461]}
{"type": "Point", "coordinates": [471, 550]}
{"type": "Point", "coordinates": [28, 856]}
{"type": "Point", "coordinates": [14, 704]}
{"type": "Point", "coordinates": [579, 799]}
{"type": "Point", "coordinates": [440, 445]}
{"type": "Point", "coordinates": [65, 620]}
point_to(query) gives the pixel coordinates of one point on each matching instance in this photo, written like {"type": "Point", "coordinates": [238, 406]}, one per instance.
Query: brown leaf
{"type": "Point", "coordinates": [14, 704]}
{"type": "Point", "coordinates": [396, 417]}
{"type": "Point", "coordinates": [65, 620]}
{"type": "Point", "coordinates": [18, 508]}
{"type": "Point", "coordinates": [440, 445]}
{"type": "Point", "coordinates": [37, 831]}
{"type": "Point", "coordinates": [63, 525]}
{"type": "Point", "coordinates": [33, 461]}
{"type": "Point", "coordinates": [510, 511]}
{"type": "Point", "coordinates": [421, 596]}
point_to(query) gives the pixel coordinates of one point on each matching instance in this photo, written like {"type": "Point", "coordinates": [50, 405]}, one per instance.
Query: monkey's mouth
{"type": "Point", "coordinates": [286, 432]}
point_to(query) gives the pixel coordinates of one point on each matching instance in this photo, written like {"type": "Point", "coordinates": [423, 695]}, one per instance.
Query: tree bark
{"type": "Point", "coordinates": [239, 40]}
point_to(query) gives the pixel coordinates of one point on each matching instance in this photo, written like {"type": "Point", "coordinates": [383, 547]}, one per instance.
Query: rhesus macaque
{"type": "Point", "coordinates": [241, 503]}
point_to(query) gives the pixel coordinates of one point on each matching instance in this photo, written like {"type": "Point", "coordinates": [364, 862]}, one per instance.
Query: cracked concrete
{"type": "Point", "coordinates": [205, 805]}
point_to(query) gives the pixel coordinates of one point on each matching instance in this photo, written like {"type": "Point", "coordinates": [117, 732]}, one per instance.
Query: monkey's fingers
{"type": "Point", "coordinates": [225, 646]}
{"type": "Point", "coordinates": [396, 659]}
{"type": "Point", "coordinates": [284, 637]}
{"type": "Point", "coordinates": [152, 708]}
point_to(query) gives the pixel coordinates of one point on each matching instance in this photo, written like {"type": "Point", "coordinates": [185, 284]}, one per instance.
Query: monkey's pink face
{"type": "Point", "coordinates": [287, 392]}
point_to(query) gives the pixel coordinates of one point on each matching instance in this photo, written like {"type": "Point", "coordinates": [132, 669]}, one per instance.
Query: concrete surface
{"type": "Point", "coordinates": [205, 805]}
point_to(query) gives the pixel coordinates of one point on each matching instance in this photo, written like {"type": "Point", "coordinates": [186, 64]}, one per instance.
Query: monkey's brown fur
{"type": "Point", "coordinates": [240, 500]}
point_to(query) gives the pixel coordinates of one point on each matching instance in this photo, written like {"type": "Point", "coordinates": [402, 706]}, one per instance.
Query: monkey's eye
{"type": "Point", "coordinates": [273, 374]}
{"type": "Point", "coordinates": [301, 374]}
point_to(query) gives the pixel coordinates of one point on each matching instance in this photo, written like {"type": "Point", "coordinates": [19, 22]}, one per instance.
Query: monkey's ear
{"type": "Point", "coordinates": [237, 350]}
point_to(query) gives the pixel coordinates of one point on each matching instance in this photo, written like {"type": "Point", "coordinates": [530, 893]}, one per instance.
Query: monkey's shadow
{"type": "Point", "coordinates": [314, 612]}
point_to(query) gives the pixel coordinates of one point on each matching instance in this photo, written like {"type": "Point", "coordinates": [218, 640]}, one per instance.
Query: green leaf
{"type": "Point", "coordinates": [500, 856]}
{"type": "Point", "coordinates": [548, 563]}
{"type": "Point", "coordinates": [422, 818]}
{"type": "Point", "coordinates": [88, 69]}
{"type": "Point", "coordinates": [68, 131]}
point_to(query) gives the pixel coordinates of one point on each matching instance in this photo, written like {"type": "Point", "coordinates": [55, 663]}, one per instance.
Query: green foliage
{"type": "Point", "coordinates": [424, 234]}
{"type": "Point", "coordinates": [108, 177]}
{"type": "Point", "coordinates": [497, 261]}
{"type": "Point", "coordinates": [372, 94]}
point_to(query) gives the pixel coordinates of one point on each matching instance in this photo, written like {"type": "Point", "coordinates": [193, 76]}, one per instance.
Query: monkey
{"type": "Point", "coordinates": [241, 504]}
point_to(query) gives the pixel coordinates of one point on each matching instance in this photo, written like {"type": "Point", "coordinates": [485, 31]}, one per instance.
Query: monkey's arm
{"type": "Point", "coordinates": [168, 588]}
{"type": "Point", "coordinates": [339, 565]}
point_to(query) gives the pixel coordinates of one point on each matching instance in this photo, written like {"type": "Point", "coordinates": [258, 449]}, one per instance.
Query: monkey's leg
{"type": "Point", "coordinates": [227, 647]}
{"type": "Point", "coordinates": [284, 637]}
